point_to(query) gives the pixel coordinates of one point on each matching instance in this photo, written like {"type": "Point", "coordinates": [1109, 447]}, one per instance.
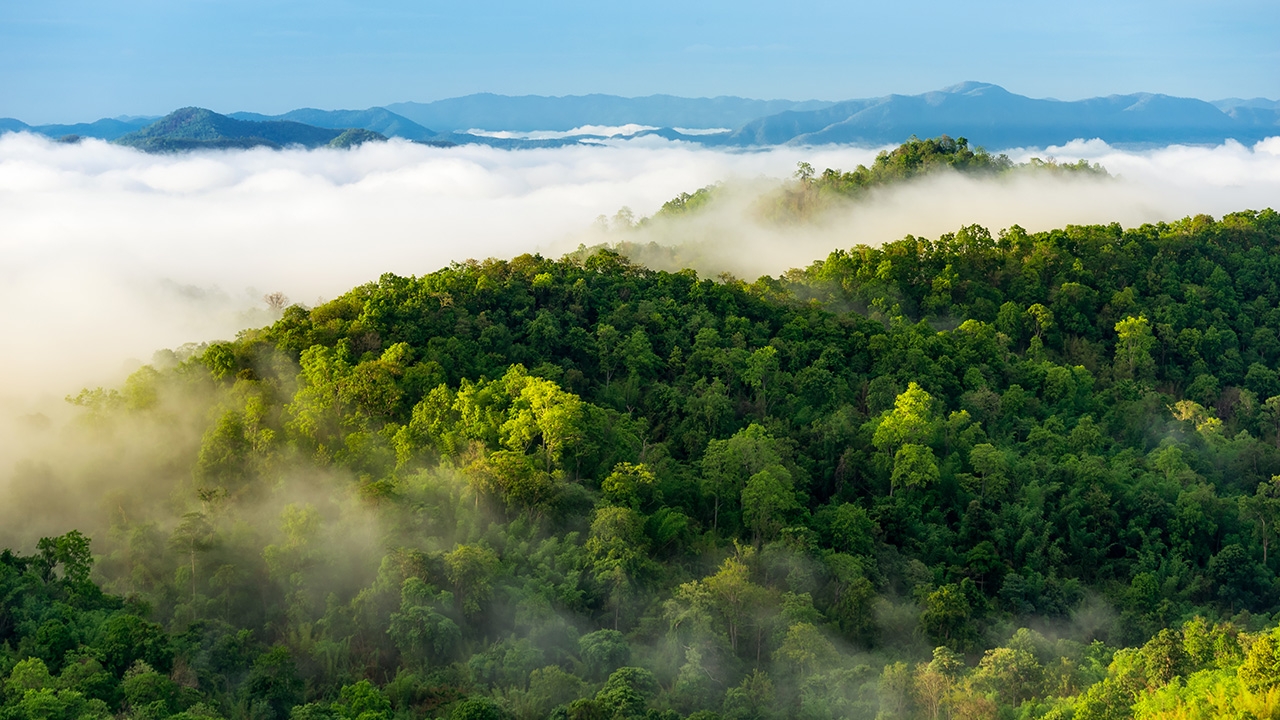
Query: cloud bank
{"type": "Point", "coordinates": [110, 254]}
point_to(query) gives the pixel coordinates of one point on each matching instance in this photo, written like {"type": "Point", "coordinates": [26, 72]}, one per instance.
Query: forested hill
{"type": "Point", "coordinates": [1028, 475]}
{"type": "Point", "coordinates": [195, 128]}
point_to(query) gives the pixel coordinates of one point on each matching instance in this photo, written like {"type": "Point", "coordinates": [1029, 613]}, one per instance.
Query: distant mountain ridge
{"type": "Point", "coordinates": [1229, 103]}
{"type": "Point", "coordinates": [379, 120]}
{"type": "Point", "coordinates": [525, 113]}
{"type": "Point", "coordinates": [1001, 119]}
{"type": "Point", "coordinates": [987, 114]}
{"type": "Point", "coordinates": [104, 129]}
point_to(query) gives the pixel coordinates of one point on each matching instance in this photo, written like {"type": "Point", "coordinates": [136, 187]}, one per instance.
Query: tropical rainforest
{"type": "Point", "coordinates": [1021, 475]}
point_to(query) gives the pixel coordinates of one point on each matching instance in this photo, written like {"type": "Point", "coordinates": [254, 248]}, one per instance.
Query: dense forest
{"type": "Point", "coordinates": [1030, 475]}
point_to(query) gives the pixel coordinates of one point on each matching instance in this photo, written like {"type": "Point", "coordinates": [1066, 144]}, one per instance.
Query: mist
{"type": "Point", "coordinates": [111, 254]}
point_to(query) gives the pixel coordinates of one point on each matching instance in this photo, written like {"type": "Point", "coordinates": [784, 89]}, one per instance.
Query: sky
{"type": "Point", "coordinates": [78, 60]}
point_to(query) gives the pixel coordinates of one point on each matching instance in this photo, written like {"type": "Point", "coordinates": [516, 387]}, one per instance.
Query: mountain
{"type": "Point", "coordinates": [379, 120]}
{"type": "Point", "coordinates": [536, 112]}
{"type": "Point", "coordinates": [104, 129]}
{"type": "Point", "coordinates": [197, 128]}
{"type": "Point", "coordinates": [987, 114]}
{"type": "Point", "coordinates": [1256, 116]}
{"type": "Point", "coordinates": [1229, 103]}
{"type": "Point", "coordinates": [1000, 119]}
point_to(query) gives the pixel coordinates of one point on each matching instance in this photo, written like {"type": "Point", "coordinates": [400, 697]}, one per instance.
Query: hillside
{"type": "Point", "coordinates": [1010, 475]}
{"type": "Point", "coordinates": [196, 128]}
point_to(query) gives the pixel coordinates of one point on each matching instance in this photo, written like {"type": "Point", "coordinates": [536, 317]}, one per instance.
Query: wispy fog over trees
{"type": "Point", "coordinates": [1011, 474]}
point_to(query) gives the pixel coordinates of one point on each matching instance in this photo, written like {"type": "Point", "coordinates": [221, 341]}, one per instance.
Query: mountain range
{"type": "Point", "coordinates": [534, 112]}
{"type": "Point", "coordinates": [1001, 119]}
{"type": "Point", "coordinates": [986, 114]}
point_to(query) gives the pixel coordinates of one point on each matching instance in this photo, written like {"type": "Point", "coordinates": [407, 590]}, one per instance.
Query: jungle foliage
{"type": "Point", "coordinates": [1025, 475]}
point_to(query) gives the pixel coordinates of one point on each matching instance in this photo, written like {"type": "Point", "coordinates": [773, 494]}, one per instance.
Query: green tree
{"type": "Point", "coordinates": [616, 548]}
{"type": "Point", "coordinates": [913, 466]}
{"type": "Point", "coordinates": [273, 686]}
{"type": "Point", "coordinates": [767, 499]}
{"type": "Point", "coordinates": [420, 629]}
{"type": "Point", "coordinates": [806, 650]}
{"type": "Point", "coordinates": [1134, 342]}
{"type": "Point", "coordinates": [908, 425]}
{"type": "Point", "coordinates": [193, 535]}
{"type": "Point", "coordinates": [540, 412]}
{"type": "Point", "coordinates": [947, 617]}
{"type": "Point", "coordinates": [1263, 507]}
{"type": "Point", "coordinates": [733, 596]}
{"type": "Point", "coordinates": [629, 485]}
{"type": "Point", "coordinates": [471, 569]}
{"type": "Point", "coordinates": [991, 467]}
{"type": "Point", "coordinates": [728, 464]}
{"type": "Point", "coordinates": [602, 652]}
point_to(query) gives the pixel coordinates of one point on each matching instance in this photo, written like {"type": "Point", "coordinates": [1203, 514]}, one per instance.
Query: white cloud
{"type": "Point", "coordinates": [110, 254]}
{"type": "Point", "coordinates": [600, 130]}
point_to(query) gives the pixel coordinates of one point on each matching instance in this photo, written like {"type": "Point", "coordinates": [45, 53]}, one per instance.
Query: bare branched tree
{"type": "Point", "coordinates": [276, 301]}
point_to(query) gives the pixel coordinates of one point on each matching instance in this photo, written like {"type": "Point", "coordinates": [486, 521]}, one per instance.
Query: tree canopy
{"type": "Point", "coordinates": [582, 488]}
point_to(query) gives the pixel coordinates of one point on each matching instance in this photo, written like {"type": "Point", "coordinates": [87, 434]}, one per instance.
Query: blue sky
{"type": "Point", "coordinates": [68, 61]}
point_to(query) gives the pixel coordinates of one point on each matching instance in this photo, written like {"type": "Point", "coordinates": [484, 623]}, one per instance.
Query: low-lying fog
{"type": "Point", "coordinates": [110, 254]}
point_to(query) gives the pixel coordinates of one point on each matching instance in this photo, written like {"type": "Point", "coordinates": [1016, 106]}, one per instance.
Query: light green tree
{"type": "Point", "coordinates": [806, 650]}
{"type": "Point", "coordinates": [905, 428]}
{"type": "Point", "coordinates": [991, 468]}
{"type": "Point", "coordinates": [1263, 507]}
{"type": "Point", "coordinates": [192, 536]}
{"type": "Point", "coordinates": [1134, 342]}
{"type": "Point", "coordinates": [913, 466]}
{"type": "Point", "coordinates": [540, 412]}
{"type": "Point", "coordinates": [761, 369]}
{"type": "Point", "coordinates": [617, 549]}
{"type": "Point", "coordinates": [471, 569]}
{"type": "Point", "coordinates": [1041, 319]}
{"type": "Point", "coordinates": [628, 485]}
{"type": "Point", "coordinates": [728, 464]}
{"type": "Point", "coordinates": [766, 500]}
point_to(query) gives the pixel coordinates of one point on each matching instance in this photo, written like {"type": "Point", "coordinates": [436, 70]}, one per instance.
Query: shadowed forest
{"type": "Point", "coordinates": [1022, 475]}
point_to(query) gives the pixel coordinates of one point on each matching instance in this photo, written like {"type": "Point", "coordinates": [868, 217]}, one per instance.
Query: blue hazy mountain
{"type": "Point", "coordinates": [195, 128]}
{"type": "Point", "coordinates": [997, 118]}
{"type": "Point", "coordinates": [536, 112]}
{"type": "Point", "coordinates": [1262, 103]}
{"type": "Point", "coordinates": [104, 129]}
{"type": "Point", "coordinates": [986, 114]}
{"type": "Point", "coordinates": [379, 120]}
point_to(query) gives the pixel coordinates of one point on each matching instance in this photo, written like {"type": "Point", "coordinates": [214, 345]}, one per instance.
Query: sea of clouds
{"type": "Point", "coordinates": [110, 254]}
